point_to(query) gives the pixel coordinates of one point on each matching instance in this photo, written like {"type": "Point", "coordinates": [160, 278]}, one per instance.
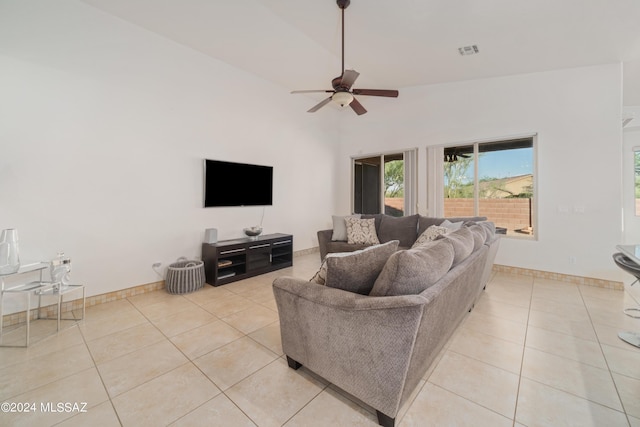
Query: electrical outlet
{"type": "Point", "coordinates": [156, 264]}
{"type": "Point", "coordinates": [572, 260]}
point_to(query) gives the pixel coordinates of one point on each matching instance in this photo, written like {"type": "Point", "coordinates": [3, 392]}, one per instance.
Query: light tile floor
{"type": "Point", "coordinates": [532, 353]}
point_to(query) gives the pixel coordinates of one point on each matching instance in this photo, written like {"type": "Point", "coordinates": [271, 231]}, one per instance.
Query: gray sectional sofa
{"type": "Point", "coordinates": [405, 229]}
{"type": "Point", "coordinates": [381, 318]}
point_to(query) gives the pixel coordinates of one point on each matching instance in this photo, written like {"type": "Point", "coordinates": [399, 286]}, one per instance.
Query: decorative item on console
{"type": "Point", "coordinates": [9, 257]}
{"type": "Point", "coordinates": [60, 269]}
{"type": "Point", "coordinates": [255, 231]}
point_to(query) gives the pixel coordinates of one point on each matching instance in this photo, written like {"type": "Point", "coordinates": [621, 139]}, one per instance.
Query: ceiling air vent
{"type": "Point", "coordinates": [468, 50]}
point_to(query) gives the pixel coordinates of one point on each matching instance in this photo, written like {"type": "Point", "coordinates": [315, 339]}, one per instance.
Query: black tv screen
{"type": "Point", "coordinates": [237, 184]}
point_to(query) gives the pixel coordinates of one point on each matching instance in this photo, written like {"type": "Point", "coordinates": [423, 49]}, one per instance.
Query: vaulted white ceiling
{"type": "Point", "coordinates": [396, 44]}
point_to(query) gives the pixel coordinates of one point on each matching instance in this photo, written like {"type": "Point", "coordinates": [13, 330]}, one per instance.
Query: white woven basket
{"type": "Point", "coordinates": [185, 276]}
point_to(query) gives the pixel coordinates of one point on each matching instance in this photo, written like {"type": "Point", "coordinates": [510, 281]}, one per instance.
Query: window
{"type": "Point", "coordinates": [493, 179]}
{"type": "Point", "coordinates": [636, 168]}
{"type": "Point", "coordinates": [385, 183]}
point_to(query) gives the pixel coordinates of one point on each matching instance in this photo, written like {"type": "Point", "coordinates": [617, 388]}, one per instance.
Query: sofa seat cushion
{"type": "Point", "coordinates": [411, 271]}
{"type": "Point", "coordinates": [361, 231]}
{"type": "Point", "coordinates": [462, 242]}
{"type": "Point", "coordinates": [357, 271]}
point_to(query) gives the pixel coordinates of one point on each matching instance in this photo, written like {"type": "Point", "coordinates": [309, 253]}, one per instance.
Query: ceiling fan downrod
{"type": "Point", "coordinates": [343, 4]}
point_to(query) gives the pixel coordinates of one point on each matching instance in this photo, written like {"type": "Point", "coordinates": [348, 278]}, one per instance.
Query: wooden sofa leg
{"type": "Point", "coordinates": [385, 420]}
{"type": "Point", "coordinates": [293, 364]}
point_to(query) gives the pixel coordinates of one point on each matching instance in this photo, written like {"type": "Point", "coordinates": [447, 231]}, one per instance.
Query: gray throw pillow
{"type": "Point", "coordinates": [357, 271]}
{"type": "Point", "coordinates": [462, 241]}
{"type": "Point", "coordinates": [340, 227]}
{"type": "Point", "coordinates": [401, 228]}
{"type": "Point", "coordinates": [412, 271]}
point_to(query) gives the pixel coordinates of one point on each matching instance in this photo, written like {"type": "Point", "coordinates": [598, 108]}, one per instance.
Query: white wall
{"type": "Point", "coordinates": [103, 130]}
{"type": "Point", "coordinates": [576, 114]}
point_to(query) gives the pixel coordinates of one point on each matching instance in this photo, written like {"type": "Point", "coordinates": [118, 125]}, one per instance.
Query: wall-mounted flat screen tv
{"type": "Point", "coordinates": [237, 184]}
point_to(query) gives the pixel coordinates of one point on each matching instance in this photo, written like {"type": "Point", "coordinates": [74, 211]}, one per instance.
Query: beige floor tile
{"type": "Point", "coordinates": [22, 377]}
{"type": "Point", "coordinates": [207, 294]}
{"type": "Point", "coordinates": [509, 294]}
{"type": "Point", "coordinates": [634, 422]}
{"type": "Point", "coordinates": [544, 406]}
{"type": "Point", "coordinates": [206, 338]}
{"type": "Point", "coordinates": [138, 367]}
{"type": "Point", "coordinates": [496, 327]}
{"type": "Point", "coordinates": [582, 380]}
{"type": "Point", "coordinates": [260, 295]}
{"type": "Point", "coordinates": [435, 406]}
{"type": "Point", "coordinates": [621, 361]}
{"type": "Point", "coordinates": [606, 316]}
{"type": "Point", "coordinates": [270, 337]}
{"type": "Point", "coordinates": [485, 348]}
{"type": "Point", "coordinates": [165, 398]}
{"type": "Point", "coordinates": [97, 327]}
{"type": "Point", "coordinates": [275, 393]}
{"type": "Point", "coordinates": [102, 415]}
{"type": "Point", "coordinates": [228, 305]}
{"type": "Point", "coordinates": [175, 304]}
{"type": "Point", "coordinates": [82, 392]}
{"type": "Point", "coordinates": [110, 310]}
{"type": "Point", "coordinates": [477, 381]}
{"type": "Point", "coordinates": [123, 342]}
{"type": "Point", "coordinates": [629, 389]}
{"type": "Point", "coordinates": [502, 310]}
{"type": "Point", "coordinates": [330, 408]}
{"type": "Point", "coordinates": [567, 311]}
{"type": "Point", "coordinates": [609, 335]}
{"type": "Point", "coordinates": [252, 319]}
{"type": "Point", "coordinates": [232, 363]}
{"type": "Point", "coordinates": [217, 412]}
{"type": "Point", "coordinates": [603, 294]}
{"type": "Point", "coordinates": [150, 298]}
{"type": "Point", "coordinates": [57, 342]}
{"type": "Point", "coordinates": [183, 321]}
{"type": "Point", "coordinates": [559, 323]}
{"type": "Point", "coordinates": [243, 286]}
{"type": "Point", "coordinates": [580, 350]}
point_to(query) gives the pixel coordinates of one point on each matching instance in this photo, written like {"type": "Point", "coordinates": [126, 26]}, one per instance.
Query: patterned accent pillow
{"type": "Point", "coordinates": [430, 235]}
{"type": "Point", "coordinates": [361, 231]}
{"type": "Point", "coordinates": [321, 276]}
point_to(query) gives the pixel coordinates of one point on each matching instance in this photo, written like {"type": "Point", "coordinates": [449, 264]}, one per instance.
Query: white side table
{"type": "Point", "coordinates": [37, 288]}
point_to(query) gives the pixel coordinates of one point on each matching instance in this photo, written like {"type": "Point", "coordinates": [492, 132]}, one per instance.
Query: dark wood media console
{"type": "Point", "coordinates": [231, 260]}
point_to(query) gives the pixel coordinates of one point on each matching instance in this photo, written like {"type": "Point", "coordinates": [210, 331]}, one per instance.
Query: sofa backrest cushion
{"type": "Point", "coordinates": [357, 271]}
{"type": "Point", "coordinates": [402, 228]}
{"type": "Point", "coordinates": [425, 222]}
{"type": "Point", "coordinates": [430, 235]}
{"type": "Point", "coordinates": [411, 271]}
{"type": "Point", "coordinates": [462, 242]}
{"type": "Point", "coordinates": [340, 227]}
{"type": "Point", "coordinates": [479, 236]}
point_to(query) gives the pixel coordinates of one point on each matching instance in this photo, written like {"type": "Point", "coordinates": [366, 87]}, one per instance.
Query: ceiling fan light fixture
{"type": "Point", "coordinates": [342, 98]}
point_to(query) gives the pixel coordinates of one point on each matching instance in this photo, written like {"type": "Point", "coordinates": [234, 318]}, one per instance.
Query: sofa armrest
{"type": "Point", "coordinates": [324, 237]}
{"type": "Point", "coordinates": [360, 343]}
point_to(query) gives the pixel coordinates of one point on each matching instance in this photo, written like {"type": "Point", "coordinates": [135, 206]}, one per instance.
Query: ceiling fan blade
{"type": "Point", "coordinates": [348, 78]}
{"type": "Point", "coordinates": [357, 107]}
{"type": "Point", "coordinates": [319, 105]}
{"type": "Point", "coordinates": [311, 91]}
{"type": "Point", "coordinates": [376, 92]}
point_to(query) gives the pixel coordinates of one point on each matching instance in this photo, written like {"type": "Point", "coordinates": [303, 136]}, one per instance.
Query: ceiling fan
{"type": "Point", "coordinates": [342, 94]}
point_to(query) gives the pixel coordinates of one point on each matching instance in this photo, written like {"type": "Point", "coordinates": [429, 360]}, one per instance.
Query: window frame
{"type": "Point", "coordinates": [435, 178]}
